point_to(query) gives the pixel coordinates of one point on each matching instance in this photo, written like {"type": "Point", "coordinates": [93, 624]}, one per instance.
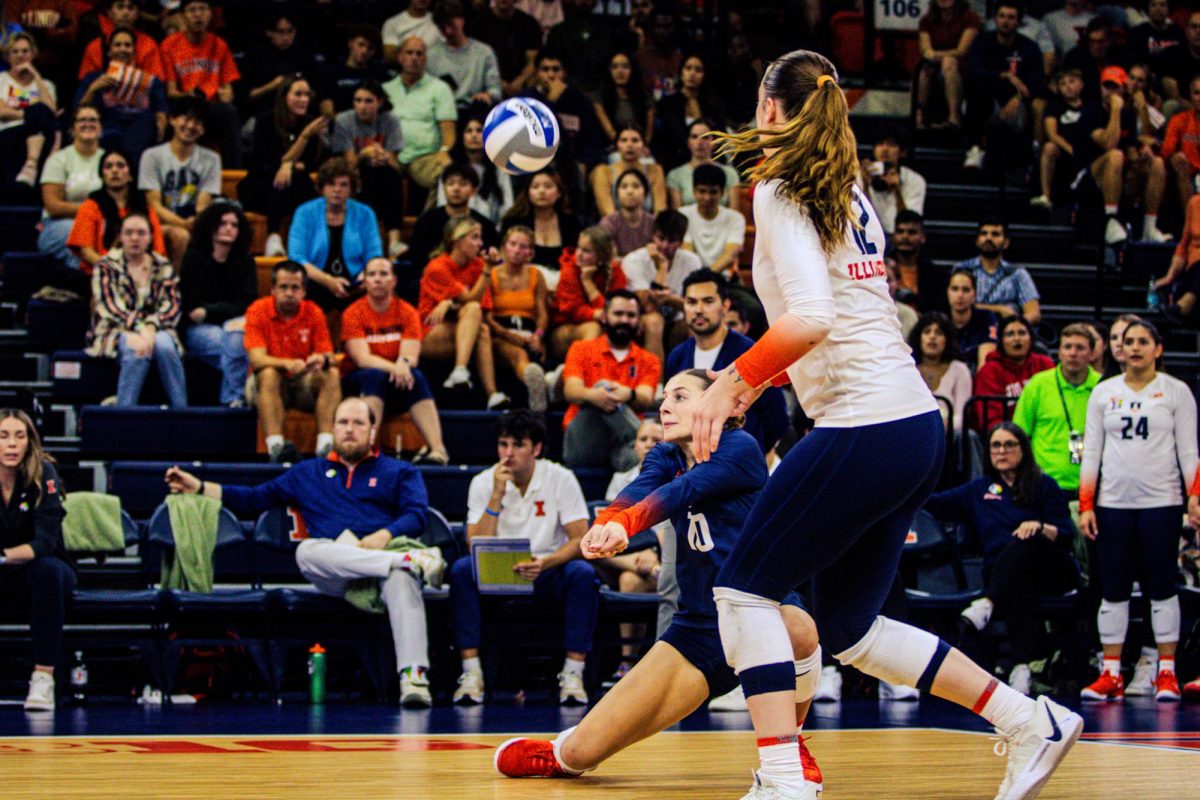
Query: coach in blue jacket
{"type": "Point", "coordinates": [713, 346]}
{"type": "Point", "coordinates": [376, 498]}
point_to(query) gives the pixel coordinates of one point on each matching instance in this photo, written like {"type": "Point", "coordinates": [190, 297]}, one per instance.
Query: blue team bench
{"type": "Point", "coordinates": [154, 432]}
{"type": "Point", "coordinates": [80, 378]}
{"type": "Point", "coordinates": [141, 488]}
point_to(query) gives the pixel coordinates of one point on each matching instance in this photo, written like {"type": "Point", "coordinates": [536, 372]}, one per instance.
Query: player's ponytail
{"type": "Point", "coordinates": [816, 155]}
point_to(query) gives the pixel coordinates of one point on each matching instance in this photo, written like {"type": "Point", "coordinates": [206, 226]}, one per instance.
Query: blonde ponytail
{"type": "Point", "coordinates": [816, 155]}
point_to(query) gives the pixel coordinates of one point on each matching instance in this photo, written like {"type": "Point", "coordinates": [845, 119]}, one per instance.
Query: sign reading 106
{"type": "Point", "coordinates": [899, 15]}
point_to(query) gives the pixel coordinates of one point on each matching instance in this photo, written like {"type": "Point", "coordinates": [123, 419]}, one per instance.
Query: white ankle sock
{"type": "Point", "coordinates": [1110, 210]}
{"type": "Point", "coordinates": [573, 666]}
{"type": "Point", "coordinates": [781, 763]}
{"type": "Point", "coordinates": [471, 665]}
{"type": "Point", "coordinates": [1112, 666]}
{"type": "Point", "coordinates": [324, 442]}
{"type": "Point", "coordinates": [1166, 663]}
{"type": "Point", "coordinates": [1007, 708]}
{"type": "Point", "coordinates": [274, 443]}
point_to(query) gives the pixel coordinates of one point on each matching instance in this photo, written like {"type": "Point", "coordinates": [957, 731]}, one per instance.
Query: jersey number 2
{"type": "Point", "coordinates": [865, 245]}
{"type": "Point", "coordinates": [699, 537]}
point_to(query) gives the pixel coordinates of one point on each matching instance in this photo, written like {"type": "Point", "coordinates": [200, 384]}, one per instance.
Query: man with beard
{"type": "Point", "coordinates": [915, 273]}
{"type": "Point", "coordinates": [1001, 288]}
{"type": "Point", "coordinates": [607, 381]}
{"type": "Point", "coordinates": [355, 490]}
{"type": "Point", "coordinates": [713, 346]}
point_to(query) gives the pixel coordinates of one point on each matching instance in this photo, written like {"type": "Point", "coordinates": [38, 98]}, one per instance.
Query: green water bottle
{"type": "Point", "coordinates": [316, 674]}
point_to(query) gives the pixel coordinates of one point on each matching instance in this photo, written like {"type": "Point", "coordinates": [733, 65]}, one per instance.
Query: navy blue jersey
{"type": "Point", "coordinates": [706, 504]}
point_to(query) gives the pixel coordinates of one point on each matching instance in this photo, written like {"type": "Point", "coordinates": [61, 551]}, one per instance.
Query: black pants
{"type": "Point", "coordinates": [39, 119]}
{"type": "Point", "coordinates": [1023, 572]}
{"type": "Point", "coordinates": [383, 190]}
{"type": "Point", "coordinates": [223, 132]}
{"type": "Point", "coordinates": [257, 193]}
{"type": "Point", "coordinates": [44, 586]}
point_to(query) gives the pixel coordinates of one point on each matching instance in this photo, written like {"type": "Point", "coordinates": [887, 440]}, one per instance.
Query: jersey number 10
{"type": "Point", "coordinates": [699, 537]}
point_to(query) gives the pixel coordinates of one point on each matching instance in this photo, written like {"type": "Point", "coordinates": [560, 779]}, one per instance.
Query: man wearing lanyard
{"type": "Point", "coordinates": [1053, 408]}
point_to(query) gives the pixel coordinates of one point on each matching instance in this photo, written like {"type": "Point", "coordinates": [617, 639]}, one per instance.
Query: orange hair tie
{"type": "Point", "coordinates": [824, 79]}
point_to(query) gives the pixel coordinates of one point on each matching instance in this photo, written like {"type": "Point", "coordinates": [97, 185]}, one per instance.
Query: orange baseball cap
{"type": "Point", "coordinates": [1114, 74]}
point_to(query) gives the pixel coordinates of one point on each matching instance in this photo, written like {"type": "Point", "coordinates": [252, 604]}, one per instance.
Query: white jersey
{"type": "Point", "coordinates": [1142, 444]}
{"type": "Point", "coordinates": [863, 372]}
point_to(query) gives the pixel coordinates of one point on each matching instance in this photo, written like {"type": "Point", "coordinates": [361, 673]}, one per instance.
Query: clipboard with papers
{"type": "Point", "coordinates": [493, 561]}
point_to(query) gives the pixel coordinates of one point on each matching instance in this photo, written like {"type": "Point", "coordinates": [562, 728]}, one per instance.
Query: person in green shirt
{"type": "Point", "coordinates": [1053, 407]}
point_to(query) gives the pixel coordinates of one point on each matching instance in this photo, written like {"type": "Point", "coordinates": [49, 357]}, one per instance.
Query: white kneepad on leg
{"type": "Point", "coordinates": [1112, 621]}
{"type": "Point", "coordinates": [740, 611]}
{"type": "Point", "coordinates": [1165, 620]}
{"type": "Point", "coordinates": [892, 651]}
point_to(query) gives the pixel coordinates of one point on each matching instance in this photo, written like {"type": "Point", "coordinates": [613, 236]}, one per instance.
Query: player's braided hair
{"type": "Point", "coordinates": [816, 155]}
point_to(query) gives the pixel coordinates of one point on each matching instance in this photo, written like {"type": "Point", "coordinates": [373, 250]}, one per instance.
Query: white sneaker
{"type": "Point", "coordinates": [459, 376]}
{"type": "Point", "coordinates": [1114, 231]}
{"type": "Point", "coordinates": [766, 789]}
{"type": "Point", "coordinates": [274, 246]}
{"type": "Point", "coordinates": [974, 159]}
{"type": "Point", "coordinates": [570, 689]}
{"type": "Point", "coordinates": [414, 688]}
{"type": "Point", "coordinates": [898, 692]}
{"type": "Point", "coordinates": [1151, 233]}
{"type": "Point", "coordinates": [979, 613]}
{"type": "Point", "coordinates": [554, 391]}
{"type": "Point", "coordinates": [1035, 750]}
{"type": "Point", "coordinates": [829, 688]}
{"type": "Point", "coordinates": [1144, 674]}
{"type": "Point", "coordinates": [41, 692]}
{"type": "Point", "coordinates": [426, 563]}
{"type": "Point", "coordinates": [535, 384]}
{"type": "Point", "coordinates": [470, 688]}
{"type": "Point", "coordinates": [732, 701]}
{"type": "Point", "coordinates": [1021, 679]}
{"type": "Point", "coordinates": [1042, 202]}
{"type": "Point", "coordinates": [498, 401]}
{"type": "Point", "coordinates": [397, 249]}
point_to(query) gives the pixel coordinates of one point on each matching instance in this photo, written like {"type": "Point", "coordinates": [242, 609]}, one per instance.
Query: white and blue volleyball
{"type": "Point", "coordinates": [520, 135]}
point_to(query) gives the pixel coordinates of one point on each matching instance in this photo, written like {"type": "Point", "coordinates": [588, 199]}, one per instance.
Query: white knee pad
{"type": "Point", "coordinates": [1112, 620]}
{"type": "Point", "coordinates": [1165, 620]}
{"type": "Point", "coordinates": [892, 651]}
{"type": "Point", "coordinates": [808, 675]}
{"type": "Point", "coordinates": [739, 612]}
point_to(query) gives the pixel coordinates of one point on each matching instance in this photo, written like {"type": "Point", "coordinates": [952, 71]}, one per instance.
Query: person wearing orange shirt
{"type": "Point", "coordinates": [198, 61]}
{"type": "Point", "coordinates": [381, 336]}
{"type": "Point", "coordinates": [1181, 145]}
{"type": "Point", "coordinates": [1183, 274]}
{"type": "Point", "coordinates": [607, 381]}
{"type": "Point", "coordinates": [516, 312]}
{"type": "Point", "coordinates": [451, 308]}
{"type": "Point", "coordinates": [97, 223]}
{"type": "Point", "coordinates": [291, 358]}
{"type": "Point", "coordinates": [587, 273]}
{"type": "Point", "coordinates": [122, 15]}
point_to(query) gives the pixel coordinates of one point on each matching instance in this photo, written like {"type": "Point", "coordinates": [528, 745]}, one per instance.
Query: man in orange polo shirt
{"type": "Point", "coordinates": [1181, 147]}
{"type": "Point", "coordinates": [291, 358]}
{"type": "Point", "coordinates": [607, 381]}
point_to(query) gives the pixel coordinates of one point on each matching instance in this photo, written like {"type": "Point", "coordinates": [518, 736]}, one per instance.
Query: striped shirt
{"type": "Point", "coordinates": [1007, 286]}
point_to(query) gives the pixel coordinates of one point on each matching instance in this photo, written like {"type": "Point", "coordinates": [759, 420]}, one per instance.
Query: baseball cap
{"type": "Point", "coordinates": [1114, 74]}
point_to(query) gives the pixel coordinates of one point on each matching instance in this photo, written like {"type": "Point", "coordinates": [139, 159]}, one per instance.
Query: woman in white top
{"type": "Point", "coordinates": [27, 106]}
{"type": "Point", "coordinates": [839, 506]}
{"type": "Point", "coordinates": [68, 178]}
{"type": "Point", "coordinates": [936, 355]}
{"type": "Point", "coordinates": [1140, 443]}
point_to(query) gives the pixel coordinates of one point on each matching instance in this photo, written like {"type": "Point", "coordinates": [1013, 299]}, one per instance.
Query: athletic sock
{"type": "Point", "coordinates": [1166, 664]}
{"type": "Point", "coordinates": [471, 665]}
{"type": "Point", "coordinates": [780, 759]}
{"type": "Point", "coordinates": [1112, 666]}
{"type": "Point", "coordinates": [557, 744]}
{"type": "Point", "coordinates": [573, 666]}
{"type": "Point", "coordinates": [1150, 221]}
{"type": "Point", "coordinates": [1110, 209]}
{"type": "Point", "coordinates": [1004, 707]}
{"type": "Point", "coordinates": [324, 442]}
{"type": "Point", "coordinates": [274, 443]}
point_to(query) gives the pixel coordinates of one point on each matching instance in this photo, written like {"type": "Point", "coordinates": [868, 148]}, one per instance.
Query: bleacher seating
{"type": "Point", "coordinates": [182, 433]}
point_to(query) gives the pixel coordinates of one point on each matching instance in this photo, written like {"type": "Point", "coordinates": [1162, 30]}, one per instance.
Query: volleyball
{"type": "Point", "coordinates": [520, 135]}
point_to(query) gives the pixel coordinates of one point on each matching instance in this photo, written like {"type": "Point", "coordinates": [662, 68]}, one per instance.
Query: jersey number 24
{"type": "Point", "coordinates": [699, 537]}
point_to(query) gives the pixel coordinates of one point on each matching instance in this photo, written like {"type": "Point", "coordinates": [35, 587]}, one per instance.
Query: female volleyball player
{"type": "Point", "coordinates": [839, 505]}
{"type": "Point", "coordinates": [706, 503]}
{"type": "Point", "coordinates": [1140, 437]}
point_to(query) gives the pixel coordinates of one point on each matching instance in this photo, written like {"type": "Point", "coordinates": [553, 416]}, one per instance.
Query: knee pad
{"type": "Point", "coordinates": [739, 612]}
{"type": "Point", "coordinates": [1165, 620]}
{"type": "Point", "coordinates": [808, 675]}
{"type": "Point", "coordinates": [1112, 620]}
{"type": "Point", "coordinates": [897, 653]}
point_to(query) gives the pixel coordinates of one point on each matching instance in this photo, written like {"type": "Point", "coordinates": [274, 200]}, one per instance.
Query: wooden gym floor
{"type": "Point", "coordinates": [888, 763]}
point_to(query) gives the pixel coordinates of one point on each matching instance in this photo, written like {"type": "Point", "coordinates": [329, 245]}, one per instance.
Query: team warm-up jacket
{"type": "Point", "coordinates": [380, 492]}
